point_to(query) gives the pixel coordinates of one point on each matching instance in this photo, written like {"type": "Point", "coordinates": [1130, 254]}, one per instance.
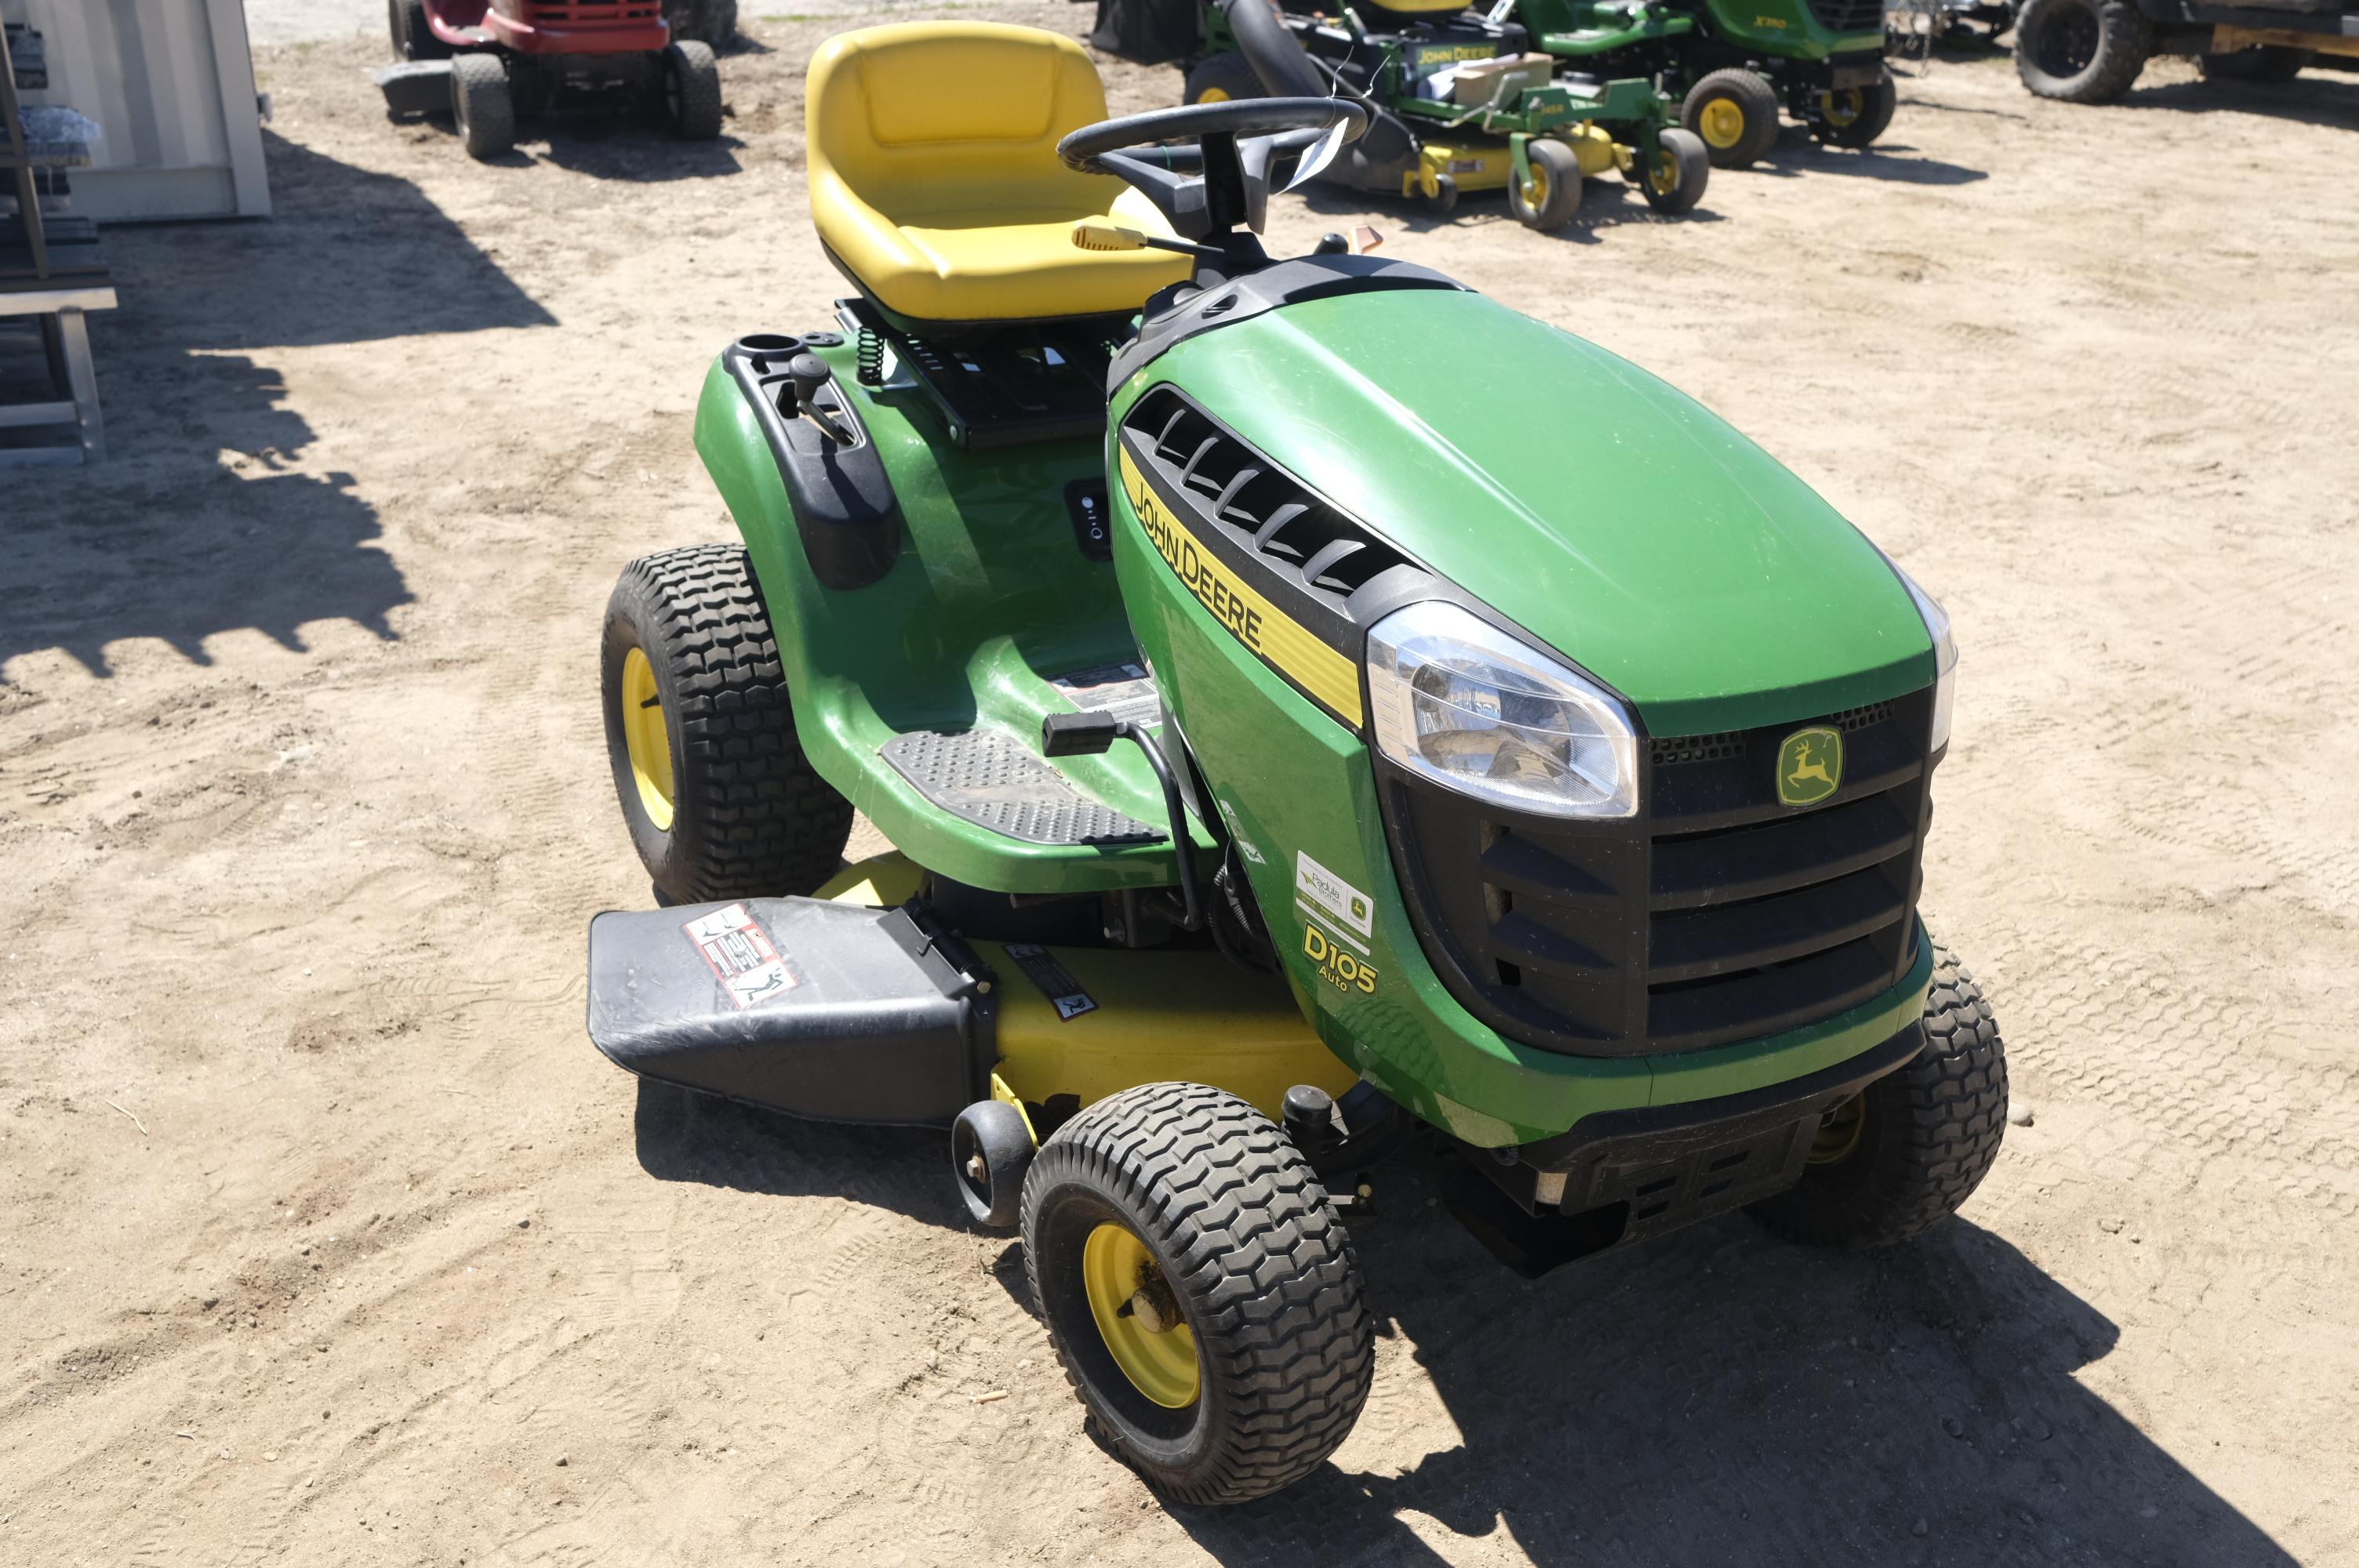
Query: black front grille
{"type": "Point", "coordinates": [1717, 914]}
{"type": "Point", "coordinates": [1849, 15]}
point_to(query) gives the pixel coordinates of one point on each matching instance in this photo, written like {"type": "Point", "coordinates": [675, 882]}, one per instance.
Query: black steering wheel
{"type": "Point", "coordinates": [1223, 179]}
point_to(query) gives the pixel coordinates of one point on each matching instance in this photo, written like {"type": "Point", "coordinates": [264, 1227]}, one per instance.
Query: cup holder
{"type": "Point", "coordinates": [769, 350]}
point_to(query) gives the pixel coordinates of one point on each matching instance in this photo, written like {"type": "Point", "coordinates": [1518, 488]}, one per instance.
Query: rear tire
{"type": "Point", "coordinates": [1855, 116]}
{"type": "Point", "coordinates": [1556, 175]}
{"type": "Point", "coordinates": [1203, 1203]}
{"type": "Point", "coordinates": [691, 79]}
{"type": "Point", "coordinates": [1902, 1155]}
{"type": "Point", "coordinates": [2081, 51]}
{"type": "Point", "coordinates": [1220, 79]}
{"type": "Point", "coordinates": [2263, 63]}
{"type": "Point", "coordinates": [710, 22]}
{"type": "Point", "coordinates": [482, 106]}
{"type": "Point", "coordinates": [1735, 112]}
{"type": "Point", "coordinates": [720, 799]}
{"type": "Point", "coordinates": [1673, 181]}
{"type": "Point", "coordinates": [412, 39]}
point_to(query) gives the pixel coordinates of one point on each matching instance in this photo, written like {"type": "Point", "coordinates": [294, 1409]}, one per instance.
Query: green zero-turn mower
{"type": "Point", "coordinates": [1318, 708]}
{"type": "Point", "coordinates": [1456, 104]}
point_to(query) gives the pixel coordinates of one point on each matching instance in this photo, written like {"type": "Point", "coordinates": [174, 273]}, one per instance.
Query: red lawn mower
{"type": "Point", "coordinates": [502, 61]}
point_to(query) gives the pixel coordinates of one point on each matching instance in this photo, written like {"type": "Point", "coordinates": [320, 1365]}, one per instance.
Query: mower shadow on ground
{"type": "Point", "coordinates": [1796, 153]}
{"type": "Point", "coordinates": [1607, 203]}
{"type": "Point", "coordinates": [1720, 1397]}
{"type": "Point", "coordinates": [614, 148]}
{"type": "Point", "coordinates": [685, 1137]}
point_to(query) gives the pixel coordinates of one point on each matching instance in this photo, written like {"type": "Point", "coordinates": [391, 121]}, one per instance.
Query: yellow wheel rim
{"type": "Point", "coordinates": [1537, 192]}
{"type": "Point", "coordinates": [1130, 1301]}
{"type": "Point", "coordinates": [1663, 174]}
{"type": "Point", "coordinates": [646, 738]}
{"type": "Point", "coordinates": [1839, 1132]}
{"type": "Point", "coordinates": [1722, 124]}
{"type": "Point", "coordinates": [1212, 95]}
{"type": "Point", "coordinates": [1840, 109]}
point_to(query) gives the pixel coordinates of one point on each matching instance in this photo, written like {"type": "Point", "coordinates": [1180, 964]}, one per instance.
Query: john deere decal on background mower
{"type": "Point", "coordinates": [1448, 806]}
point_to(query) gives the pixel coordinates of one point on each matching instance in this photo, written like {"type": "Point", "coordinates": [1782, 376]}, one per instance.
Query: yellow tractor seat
{"type": "Point", "coordinates": [935, 183]}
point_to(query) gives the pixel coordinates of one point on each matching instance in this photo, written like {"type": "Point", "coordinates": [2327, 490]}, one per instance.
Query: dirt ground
{"type": "Point", "coordinates": [328, 1238]}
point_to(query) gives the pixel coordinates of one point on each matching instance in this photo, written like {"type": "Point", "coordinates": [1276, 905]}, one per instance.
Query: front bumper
{"type": "Point", "coordinates": [1621, 1176]}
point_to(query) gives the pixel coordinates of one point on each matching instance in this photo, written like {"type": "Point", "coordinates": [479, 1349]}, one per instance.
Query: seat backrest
{"type": "Point", "coordinates": [929, 117]}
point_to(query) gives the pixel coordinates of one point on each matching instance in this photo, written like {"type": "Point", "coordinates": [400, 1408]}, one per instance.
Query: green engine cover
{"type": "Point", "coordinates": [1614, 519]}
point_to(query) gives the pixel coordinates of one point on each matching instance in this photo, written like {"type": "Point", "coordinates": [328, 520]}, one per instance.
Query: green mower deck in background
{"type": "Point", "coordinates": [1514, 126]}
{"type": "Point", "coordinates": [1321, 715]}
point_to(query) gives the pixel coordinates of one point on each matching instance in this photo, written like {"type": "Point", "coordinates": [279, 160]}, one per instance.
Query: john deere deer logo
{"type": "Point", "coordinates": [1810, 765]}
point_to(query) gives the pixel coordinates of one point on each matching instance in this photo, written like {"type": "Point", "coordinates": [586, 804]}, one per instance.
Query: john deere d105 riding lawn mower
{"type": "Point", "coordinates": [1457, 103]}
{"type": "Point", "coordinates": [1318, 708]}
{"type": "Point", "coordinates": [492, 62]}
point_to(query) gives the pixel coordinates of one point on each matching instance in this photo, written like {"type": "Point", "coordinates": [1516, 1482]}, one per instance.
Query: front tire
{"type": "Point", "coordinates": [1855, 116]}
{"type": "Point", "coordinates": [1242, 1353]}
{"type": "Point", "coordinates": [482, 106]}
{"type": "Point", "coordinates": [720, 799]}
{"type": "Point", "coordinates": [1556, 187]}
{"type": "Point", "coordinates": [1220, 79]}
{"type": "Point", "coordinates": [2081, 51]}
{"type": "Point", "coordinates": [412, 39]}
{"type": "Point", "coordinates": [710, 22]}
{"type": "Point", "coordinates": [1904, 1154]}
{"type": "Point", "coordinates": [691, 79]}
{"type": "Point", "coordinates": [1735, 112]}
{"type": "Point", "coordinates": [1673, 178]}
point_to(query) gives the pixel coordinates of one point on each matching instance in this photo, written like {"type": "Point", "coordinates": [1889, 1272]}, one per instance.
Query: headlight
{"type": "Point", "coordinates": [1945, 657]}
{"type": "Point", "coordinates": [1472, 707]}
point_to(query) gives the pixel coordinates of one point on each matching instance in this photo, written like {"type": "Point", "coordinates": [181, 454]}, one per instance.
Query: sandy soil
{"type": "Point", "coordinates": [330, 1239]}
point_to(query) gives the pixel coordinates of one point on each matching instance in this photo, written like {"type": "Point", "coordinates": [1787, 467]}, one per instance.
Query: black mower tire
{"type": "Point", "coordinates": [1219, 78]}
{"type": "Point", "coordinates": [1444, 199]}
{"type": "Point", "coordinates": [991, 1149]}
{"type": "Point", "coordinates": [482, 106]}
{"type": "Point", "coordinates": [692, 83]}
{"type": "Point", "coordinates": [1926, 1136]}
{"type": "Point", "coordinates": [2081, 51]}
{"type": "Point", "coordinates": [1870, 112]}
{"type": "Point", "coordinates": [710, 22]}
{"type": "Point", "coordinates": [1692, 165]}
{"type": "Point", "coordinates": [1243, 1238]}
{"type": "Point", "coordinates": [750, 816]}
{"type": "Point", "coordinates": [412, 39]}
{"type": "Point", "coordinates": [1555, 169]}
{"type": "Point", "coordinates": [1750, 97]}
{"type": "Point", "coordinates": [2270, 63]}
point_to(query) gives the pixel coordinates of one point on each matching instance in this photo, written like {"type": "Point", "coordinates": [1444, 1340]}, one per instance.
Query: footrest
{"type": "Point", "coordinates": [825, 1011]}
{"type": "Point", "coordinates": [992, 780]}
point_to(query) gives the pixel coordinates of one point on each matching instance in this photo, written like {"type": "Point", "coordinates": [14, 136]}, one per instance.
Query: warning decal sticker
{"type": "Point", "coordinates": [1330, 892]}
{"type": "Point", "coordinates": [1064, 992]}
{"type": "Point", "coordinates": [744, 958]}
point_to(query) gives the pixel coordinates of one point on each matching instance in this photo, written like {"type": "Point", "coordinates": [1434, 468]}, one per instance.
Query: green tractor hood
{"type": "Point", "coordinates": [1610, 516]}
